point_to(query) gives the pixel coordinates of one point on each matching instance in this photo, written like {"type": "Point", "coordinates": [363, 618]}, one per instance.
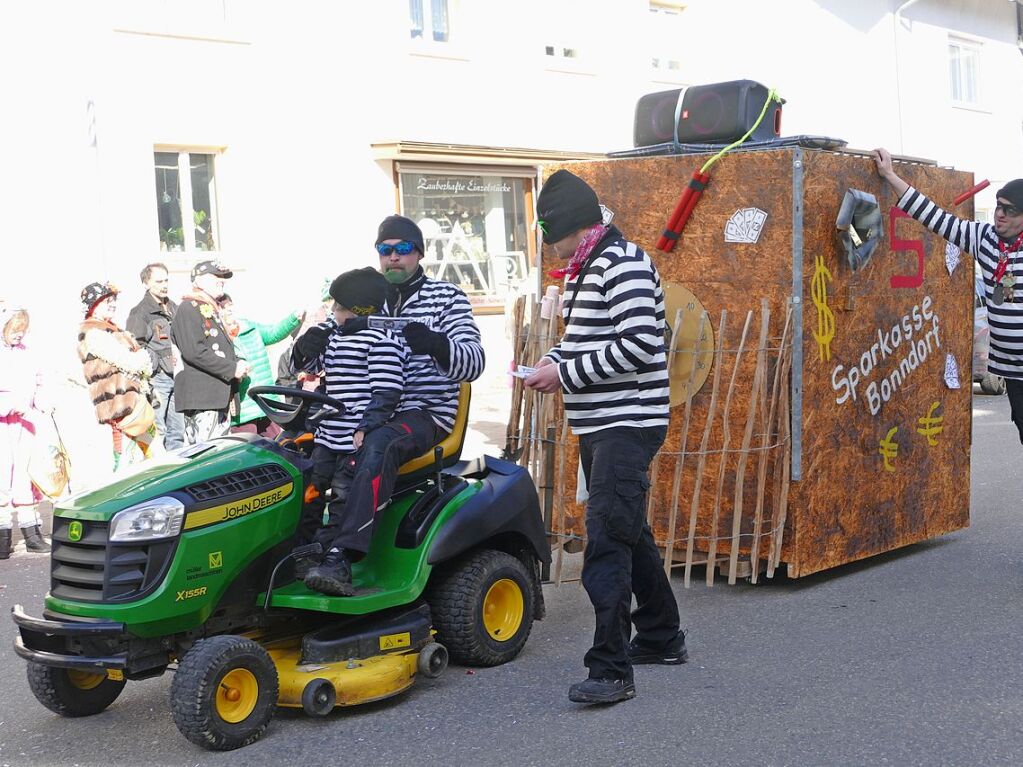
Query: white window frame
{"type": "Point", "coordinates": [190, 252]}
{"type": "Point", "coordinates": [454, 48]}
{"type": "Point", "coordinates": [664, 12]}
{"type": "Point", "coordinates": [976, 48]}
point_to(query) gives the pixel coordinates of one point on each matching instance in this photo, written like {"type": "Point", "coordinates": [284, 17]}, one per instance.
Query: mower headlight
{"type": "Point", "coordinates": [149, 521]}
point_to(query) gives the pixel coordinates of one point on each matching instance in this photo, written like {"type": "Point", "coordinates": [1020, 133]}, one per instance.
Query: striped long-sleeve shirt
{"type": "Point", "coordinates": [611, 360]}
{"type": "Point", "coordinates": [980, 241]}
{"type": "Point", "coordinates": [366, 371]}
{"type": "Point", "coordinates": [444, 308]}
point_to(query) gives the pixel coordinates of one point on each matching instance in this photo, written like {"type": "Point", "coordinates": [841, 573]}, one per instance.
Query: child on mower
{"type": "Point", "coordinates": [365, 369]}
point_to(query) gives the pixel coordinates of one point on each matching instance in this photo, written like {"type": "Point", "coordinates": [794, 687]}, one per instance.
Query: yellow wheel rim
{"type": "Point", "coordinates": [236, 695]}
{"type": "Point", "coordinates": [85, 680]}
{"type": "Point", "coordinates": [502, 610]}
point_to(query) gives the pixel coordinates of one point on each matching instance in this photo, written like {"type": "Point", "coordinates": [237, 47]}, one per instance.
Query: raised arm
{"type": "Point", "coordinates": [965, 235]}
{"type": "Point", "coordinates": [276, 332]}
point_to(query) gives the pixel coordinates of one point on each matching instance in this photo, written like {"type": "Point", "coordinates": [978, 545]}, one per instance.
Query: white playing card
{"type": "Point", "coordinates": [951, 372]}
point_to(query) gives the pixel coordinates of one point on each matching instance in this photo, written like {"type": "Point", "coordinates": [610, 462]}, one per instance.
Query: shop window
{"type": "Point", "coordinates": [186, 193]}
{"type": "Point", "coordinates": [474, 230]}
{"type": "Point", "coordinates": [963, 71]}
{"type": "Point", "coordinates": [429, 20]}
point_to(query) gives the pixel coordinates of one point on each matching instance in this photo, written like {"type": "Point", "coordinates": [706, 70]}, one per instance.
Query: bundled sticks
{"type": "Point", "coordinates": [734, 479]}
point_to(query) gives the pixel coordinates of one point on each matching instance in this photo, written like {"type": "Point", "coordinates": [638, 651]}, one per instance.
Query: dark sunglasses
{"type": "Point", "coordinates": [1008, 210]}
{"type": "Point", "coordinates": [402, 248]}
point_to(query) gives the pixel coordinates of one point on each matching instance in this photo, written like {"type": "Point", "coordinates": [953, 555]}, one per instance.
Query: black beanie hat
{"type": "Point", "coordinates": [400, 228]}
{"type": "Point", "coordinates": [1013, 192]}
{"type": "Point", "coordinates": [360, 291]}
{"type": "Point", "coordinates": [566, 204]}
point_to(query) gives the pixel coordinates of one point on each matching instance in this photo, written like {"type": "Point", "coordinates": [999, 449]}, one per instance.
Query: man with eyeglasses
{"type": "Point", "coordinates": [996, 248]}
{"type": "Point", "coordinates": [445, 349]}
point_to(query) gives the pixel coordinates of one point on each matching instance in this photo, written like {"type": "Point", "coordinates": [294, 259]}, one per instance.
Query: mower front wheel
{"type": "Point", "coordinates": [482, 608]}
{"type": "Point", "coordinates": [72, 693]}
{"type": "Point", "coordinates": [224, 693]}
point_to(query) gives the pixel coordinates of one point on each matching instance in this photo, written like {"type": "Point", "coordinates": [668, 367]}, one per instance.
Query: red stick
{"type": "Point", "coordinates": [682, 211]}
{"type": "Point", "coordinates": [691, 197]}
{"type": "Point", "coordinates": [971, 191]}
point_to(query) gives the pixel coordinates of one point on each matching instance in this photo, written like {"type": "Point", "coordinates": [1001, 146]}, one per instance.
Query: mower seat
{"type": "Point", "coordinates": [451, 445]}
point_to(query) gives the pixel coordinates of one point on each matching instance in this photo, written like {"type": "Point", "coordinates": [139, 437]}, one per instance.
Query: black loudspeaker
{"type": "Point", "coordinates": [718, 113]}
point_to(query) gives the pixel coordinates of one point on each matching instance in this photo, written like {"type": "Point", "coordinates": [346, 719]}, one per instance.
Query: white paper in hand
{"type": "Point", "coordinates": [523, 371]}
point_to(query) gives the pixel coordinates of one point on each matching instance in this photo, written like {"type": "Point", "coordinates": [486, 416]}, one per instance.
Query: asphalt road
{"type": "Point", "coordinates": [907, 659]}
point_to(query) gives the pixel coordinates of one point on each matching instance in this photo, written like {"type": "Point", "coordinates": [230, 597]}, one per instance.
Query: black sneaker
{"type": "Point", "coordinates": [602, 691]}
{"type": "Point", "coordinates": [303, 565]}
{"type": "Point", "coordinates": [333, 576]}
{"type": "Point", "coordinates": [672, 655]}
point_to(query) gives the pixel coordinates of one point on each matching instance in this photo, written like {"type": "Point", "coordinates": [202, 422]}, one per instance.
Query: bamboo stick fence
{"type": "Point", "coordinates": [726, 454]}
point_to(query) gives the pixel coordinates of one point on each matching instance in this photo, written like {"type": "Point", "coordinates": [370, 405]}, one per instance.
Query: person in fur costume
{"type": "Point", "coordinates": [117, 371]}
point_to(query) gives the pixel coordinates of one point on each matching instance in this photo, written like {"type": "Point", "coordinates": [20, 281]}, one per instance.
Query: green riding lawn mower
{"type": "Point", "coordinates": [186, 565]}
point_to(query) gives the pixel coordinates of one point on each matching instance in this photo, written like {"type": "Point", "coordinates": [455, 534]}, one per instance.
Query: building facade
{"type": "Point", "coordinates": [276, 135]}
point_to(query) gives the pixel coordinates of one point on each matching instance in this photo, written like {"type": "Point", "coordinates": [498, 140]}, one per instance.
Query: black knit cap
{"type": "Point", "coordinates": [401, 228]}
{"type": "Point", "coordinates": [566, 204]}
{"type": "Point", "coordinates": [1013, 192]}
{"type": "Point", "coordinates": [360, 291]}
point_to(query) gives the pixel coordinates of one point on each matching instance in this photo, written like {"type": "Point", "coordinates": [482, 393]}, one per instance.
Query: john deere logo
{"type": "Point", "coordinates": [74, 531]}
{"type": "Point", "coordinates": [216, 559]}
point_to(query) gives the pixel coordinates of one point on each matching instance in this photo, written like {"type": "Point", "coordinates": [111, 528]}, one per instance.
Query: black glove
{"type": "Point", "coordinates": [311, 344]}
{"type": "Point", "coordinates": [422, 340]}
{"type": "Point", "coordinates": [354, 325]}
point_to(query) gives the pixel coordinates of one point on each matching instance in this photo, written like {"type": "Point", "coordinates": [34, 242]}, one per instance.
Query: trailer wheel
{"type": "Point", "coordinates": [482, 608]}
{"type": "Point", "coordinates": [224, 693]}
{"type": "Point", "coordinates": [72, 693]}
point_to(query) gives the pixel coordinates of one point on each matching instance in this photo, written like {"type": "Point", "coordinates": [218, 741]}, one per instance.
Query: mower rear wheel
{"type": "Point", "coordinates": [72, 693]}
{"type": "Point", "coordinates": [482, 608]}
{"type": "Point", "coordinates": [224, 693]}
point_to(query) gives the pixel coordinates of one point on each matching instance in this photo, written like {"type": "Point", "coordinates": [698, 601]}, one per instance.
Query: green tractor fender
{"type": "Point", "coordinates": [505, 508]}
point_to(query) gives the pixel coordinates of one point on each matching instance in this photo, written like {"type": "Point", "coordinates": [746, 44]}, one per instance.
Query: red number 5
{"type": "Point", "coordinates": [906, 280]}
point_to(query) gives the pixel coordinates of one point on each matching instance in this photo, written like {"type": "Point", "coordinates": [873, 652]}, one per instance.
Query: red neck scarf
{"type": "Point", "coordinates": [1016, 245]}
{"type": "Point", "coordinates": [593, 235]}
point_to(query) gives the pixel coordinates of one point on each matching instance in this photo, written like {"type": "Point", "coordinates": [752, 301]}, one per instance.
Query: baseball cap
{"type": "Point", "coordinates": [211, 267]}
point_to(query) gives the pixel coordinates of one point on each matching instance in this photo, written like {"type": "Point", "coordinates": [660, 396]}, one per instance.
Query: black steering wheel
{"type": "Point", "coordinates": [286, 413]}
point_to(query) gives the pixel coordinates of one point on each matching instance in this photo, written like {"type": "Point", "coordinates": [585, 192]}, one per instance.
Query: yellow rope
{"type": "Point", "coordinates": [772, 95]}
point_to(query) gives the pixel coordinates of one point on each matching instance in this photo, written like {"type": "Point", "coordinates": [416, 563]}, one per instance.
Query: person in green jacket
{"type": "Point", "coordinates": [250, 341]}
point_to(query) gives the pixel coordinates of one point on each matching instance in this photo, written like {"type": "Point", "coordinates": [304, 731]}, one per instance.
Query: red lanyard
{"type": "Point", "coordinates": [1005, 250]}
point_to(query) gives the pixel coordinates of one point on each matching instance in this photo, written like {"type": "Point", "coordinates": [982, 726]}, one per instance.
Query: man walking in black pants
{"type": "Point", "coordinates": [611, 367]}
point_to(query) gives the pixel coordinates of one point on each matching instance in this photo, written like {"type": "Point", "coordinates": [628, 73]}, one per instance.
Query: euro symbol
{"type": "Point", "coordinates": [825, 332]}
{"type": "Point", "coordinates": [931, 425]}
{"type": "Point", "coordinates": [889, 450]}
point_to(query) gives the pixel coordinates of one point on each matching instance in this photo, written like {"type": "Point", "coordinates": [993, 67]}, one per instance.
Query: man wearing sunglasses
{"type": "Point", "coordinates": [996, 248]}
{"type": "Point", "coordinates": [445, 349]}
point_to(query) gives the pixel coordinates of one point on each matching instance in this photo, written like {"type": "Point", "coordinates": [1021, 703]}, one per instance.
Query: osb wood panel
{"type": "Point", "coordinates": [730, 276]}
{"type": "Point", "coordinates": [848, 505]}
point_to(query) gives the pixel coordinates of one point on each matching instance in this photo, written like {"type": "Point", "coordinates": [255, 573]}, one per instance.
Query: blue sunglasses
{"type": "Point", "coordinates": [402, 248]}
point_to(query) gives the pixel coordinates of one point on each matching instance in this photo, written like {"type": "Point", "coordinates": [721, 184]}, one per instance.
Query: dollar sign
{"type": "Point", "coordinates": [825, 317]}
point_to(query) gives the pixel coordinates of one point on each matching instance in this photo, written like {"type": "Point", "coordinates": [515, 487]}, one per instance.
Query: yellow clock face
{"type": "Point", "coordinates": [690, 337]}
